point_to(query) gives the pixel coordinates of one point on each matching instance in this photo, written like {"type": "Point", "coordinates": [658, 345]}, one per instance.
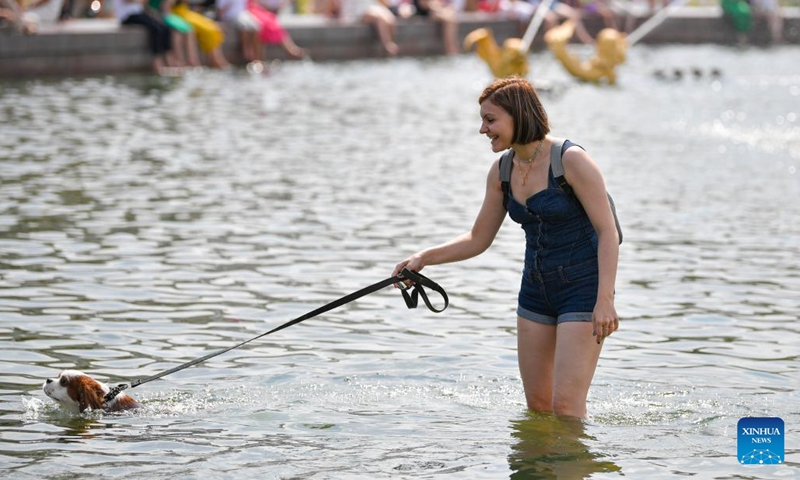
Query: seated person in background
{"type": "Point", "coordinates": [598, 7]}
{"type": "Point", "coordinates": [47, 12]}
{"type": "Point", "coordinates": [272, 32]}
{"type": "Point", "coordinates": [523, 11]}
{"type": "Point", "coordinates": [184, 41]}
{"type": "Point", "coordinates": [235, 13]}
{"type": "Point", "coordinates": [771, 11]}
{"type": "Point", "coordinates": [446, 16]}
{"type": "Point", "coordinates": [13, 18]}
{"type": "Point", "coordinates": [209, 34]}
{"type": "Point", "coordinates": [372, 12]}
{"type": "Point", "coordinates": [131, 12]}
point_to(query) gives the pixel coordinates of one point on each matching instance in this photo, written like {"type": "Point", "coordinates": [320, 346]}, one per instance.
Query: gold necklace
{"type": "Point", "coordinates": [529, 161]}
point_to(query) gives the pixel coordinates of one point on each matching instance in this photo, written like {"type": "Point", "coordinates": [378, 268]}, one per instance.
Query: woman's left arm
{"type": "Point", "coordinates": [586, 180]}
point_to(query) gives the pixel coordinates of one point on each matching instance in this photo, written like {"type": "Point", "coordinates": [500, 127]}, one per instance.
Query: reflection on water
{"type": "Point", "coordinates": [145, 222]}
{"type": "Point", "coordinates": [549, 447]}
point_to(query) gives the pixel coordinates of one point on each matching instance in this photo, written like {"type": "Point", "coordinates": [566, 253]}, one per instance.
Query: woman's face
{"type": "Point", "coordinates": [497, 124]}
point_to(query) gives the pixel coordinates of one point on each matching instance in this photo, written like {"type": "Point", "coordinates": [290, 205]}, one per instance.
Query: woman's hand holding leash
{"type": "Point", "coordinates": [413, 263]}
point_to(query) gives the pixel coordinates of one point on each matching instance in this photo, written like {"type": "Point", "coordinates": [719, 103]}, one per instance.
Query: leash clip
{"type": "Point", "coordinates": [114, 391]}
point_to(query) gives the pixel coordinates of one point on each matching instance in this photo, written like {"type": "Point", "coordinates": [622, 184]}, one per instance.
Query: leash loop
{"type": "Point", "coordinates": [411, 299]}
{"type": "Point", "coordinates": [419, 280]}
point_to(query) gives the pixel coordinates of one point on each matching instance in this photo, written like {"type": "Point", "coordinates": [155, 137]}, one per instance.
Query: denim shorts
{"type": "Point", "coordinates": [566, 294]}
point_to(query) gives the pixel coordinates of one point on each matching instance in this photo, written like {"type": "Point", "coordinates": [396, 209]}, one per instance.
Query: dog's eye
{"type": "Point", "coordinates": [63, 381]}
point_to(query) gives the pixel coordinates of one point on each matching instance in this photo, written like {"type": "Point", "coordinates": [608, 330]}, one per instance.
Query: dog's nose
{"type": "Point", "coordinates": [49, 380]}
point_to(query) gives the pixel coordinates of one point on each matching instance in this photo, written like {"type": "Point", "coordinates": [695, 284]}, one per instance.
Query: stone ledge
{"type": "Point", "coordinates": [102, 46]}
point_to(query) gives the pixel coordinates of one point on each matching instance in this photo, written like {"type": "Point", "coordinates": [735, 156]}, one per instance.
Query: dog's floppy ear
{"type": "Point", "coordinates": [90, 395]}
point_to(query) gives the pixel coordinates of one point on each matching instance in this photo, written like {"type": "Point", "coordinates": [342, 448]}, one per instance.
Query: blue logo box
{"type": "Point", "coordinates": [760, 441]}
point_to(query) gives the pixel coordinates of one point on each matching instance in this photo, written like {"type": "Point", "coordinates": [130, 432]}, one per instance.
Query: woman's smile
{"type": "Point", "coordinates": [497, 125]}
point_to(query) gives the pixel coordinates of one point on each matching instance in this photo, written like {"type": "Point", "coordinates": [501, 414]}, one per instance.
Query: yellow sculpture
{"type": "Point", "coordinates": [611, 48]}
{"type": "Point", "coordinates": [506, 61]}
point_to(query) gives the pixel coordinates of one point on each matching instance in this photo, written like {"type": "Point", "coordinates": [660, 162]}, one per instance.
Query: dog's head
{"type": "Point", "coordinates": [76, 391]}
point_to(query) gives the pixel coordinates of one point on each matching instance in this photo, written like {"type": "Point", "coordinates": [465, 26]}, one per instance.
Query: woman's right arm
{"type": "Point", "coordinates": [471, 243]}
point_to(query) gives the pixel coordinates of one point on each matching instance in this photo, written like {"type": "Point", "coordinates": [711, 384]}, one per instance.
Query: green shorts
{"type": "Point", "coordinates": [177, 23]}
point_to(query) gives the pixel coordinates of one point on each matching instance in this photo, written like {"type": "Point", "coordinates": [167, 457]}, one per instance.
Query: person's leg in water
{"type": "Point", "coordinates": [577, 353]}
{"type": "Point", "coordinates": [557, 364]}
{"type": "Point", "coordinates": [536, 348]}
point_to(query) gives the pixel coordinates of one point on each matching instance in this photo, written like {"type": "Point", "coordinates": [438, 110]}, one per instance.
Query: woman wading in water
{"type": "Point", "coordinates": [566, 299]}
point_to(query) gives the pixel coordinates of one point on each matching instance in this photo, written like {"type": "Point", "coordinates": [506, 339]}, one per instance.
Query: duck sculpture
{"type": "Point", "coordinates": [610, 52]}
{"type": "Point", "coordinates": [510, 59]}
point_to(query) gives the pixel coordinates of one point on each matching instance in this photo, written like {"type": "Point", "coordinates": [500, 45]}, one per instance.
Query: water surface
{"type": "Point", "coordinates": [145, 222]}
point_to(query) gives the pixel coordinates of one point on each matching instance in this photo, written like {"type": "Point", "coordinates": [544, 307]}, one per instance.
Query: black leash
{"type": "Point", "coordinates": [412, 299]}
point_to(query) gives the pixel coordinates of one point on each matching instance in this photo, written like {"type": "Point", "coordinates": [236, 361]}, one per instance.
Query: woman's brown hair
{"type": "Point", "coordinates": [517, 96]}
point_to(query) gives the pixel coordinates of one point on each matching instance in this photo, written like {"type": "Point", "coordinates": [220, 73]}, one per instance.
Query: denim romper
{"type": "Point", "coordinates": [559, 281]}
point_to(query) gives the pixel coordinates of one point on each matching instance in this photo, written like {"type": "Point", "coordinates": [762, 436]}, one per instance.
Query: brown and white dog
{"type": "Point", "coordinates": [77, 391]}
